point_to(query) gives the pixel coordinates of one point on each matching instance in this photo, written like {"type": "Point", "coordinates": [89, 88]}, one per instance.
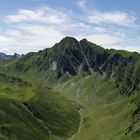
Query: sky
{"type": "Point", "coordinates": [32, 25]}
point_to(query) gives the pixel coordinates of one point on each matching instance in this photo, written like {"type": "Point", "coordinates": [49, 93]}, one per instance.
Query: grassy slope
{"type": "Point", "coordinates": [15, 88]}
{"type": "Point", "coordinates": [58, 114]}
{"type": "Point", "coordinates": [106, 113]}
{"type": "Point", "coordinates": [28, 112]}
{"type": "Point", "coordinates": [15, 121]}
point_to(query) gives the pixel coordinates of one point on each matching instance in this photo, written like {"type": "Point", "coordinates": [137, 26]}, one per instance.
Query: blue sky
{"type": "Point", "coordinates": [31, 25]}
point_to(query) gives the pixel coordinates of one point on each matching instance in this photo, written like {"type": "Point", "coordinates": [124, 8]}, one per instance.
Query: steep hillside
{"type": "Point", "coordinates": [29, 112]}
{"type": "Point", "coordinates": [106, 113]}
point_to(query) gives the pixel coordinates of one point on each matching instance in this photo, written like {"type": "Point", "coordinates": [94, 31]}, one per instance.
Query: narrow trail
{"type": "Point", "coordinates": [80, 126]}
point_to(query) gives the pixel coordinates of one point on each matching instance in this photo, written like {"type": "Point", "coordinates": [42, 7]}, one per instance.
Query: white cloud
{"type": "Point", "coordinates": [103, 39]}
{"type": "Point", "coordinates": [109, 17]}
{"type": "Point", "coordinates": [38, 35]}
{"type": "Point", "coordinates": [35, 29]}
{"type": "Point", "coordinates": [33, 38]}
{"type": "Point", "coordinates": [42, 15]}
{"type": "Point", "coordinates": [13, 33]}
{"type": "Point", "coordinates": [4, 40]}
{"type": "Point", "coordinates": [39, 30]}
{"type": "Point", "coordinates": [100, 29]}
{"type": "Point", "coordinates": [4, 50]}
{"type": "Point", "coordinates": [131, 48]}
{"type": "Point", "coordinates": [119, 18]}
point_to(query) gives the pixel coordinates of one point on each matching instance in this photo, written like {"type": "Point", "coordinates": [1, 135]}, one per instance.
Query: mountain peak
{"type": "Point", "coordinates": [68, 39]}
{"type": "Point", "coordinates": [84, 40]}
{"type": "Point", "coordinates": [68, 42]}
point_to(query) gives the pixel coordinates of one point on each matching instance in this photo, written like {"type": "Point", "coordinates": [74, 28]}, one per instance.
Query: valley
{"type": "Point", "coordinates": [75, 90]}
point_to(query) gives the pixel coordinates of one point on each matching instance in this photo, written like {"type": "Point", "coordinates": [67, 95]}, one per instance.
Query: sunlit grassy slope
{"type": "Point", "coordinates": [106, 113]}
{"type": "Point", "coordinates": [29, 112]}
{"type": "Point", "coordinates": [52, 114]}
{"type": "Point", "coordinates": [15, 88]}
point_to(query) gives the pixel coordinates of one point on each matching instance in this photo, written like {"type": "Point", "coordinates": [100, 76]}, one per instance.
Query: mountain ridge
{"type": "Point", "coordinates": [4, 56]}
{"type": "Point", "coordinates": [72, 56]}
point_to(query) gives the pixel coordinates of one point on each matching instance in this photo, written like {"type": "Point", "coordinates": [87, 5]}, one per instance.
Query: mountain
{"type": "Point", "coordinates": [73, 57]}
{"type": "Point", "coordinates": [4, 56]}
{"type": "Point", "coordinates": [76, 90]}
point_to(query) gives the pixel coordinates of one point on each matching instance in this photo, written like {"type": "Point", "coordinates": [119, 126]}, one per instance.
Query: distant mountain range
{"type": "Point", "coordinates": [4, 56]}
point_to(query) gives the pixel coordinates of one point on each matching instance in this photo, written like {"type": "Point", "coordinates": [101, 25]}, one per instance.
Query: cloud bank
{"type": "Point", "coordinates": [34, 29]}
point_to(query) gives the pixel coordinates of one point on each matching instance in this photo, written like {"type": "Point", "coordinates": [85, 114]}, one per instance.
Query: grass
{"type": "Point", "coordinates": [58, 114]}
{"type": "Point", "coordinates": [106, 113]}
{"type": "Point", "coordinates": [15, 88]}
{"type": "Point", "coordinates": [53, 112]}
{"type": "Point", "coordinates": [29, 112]}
